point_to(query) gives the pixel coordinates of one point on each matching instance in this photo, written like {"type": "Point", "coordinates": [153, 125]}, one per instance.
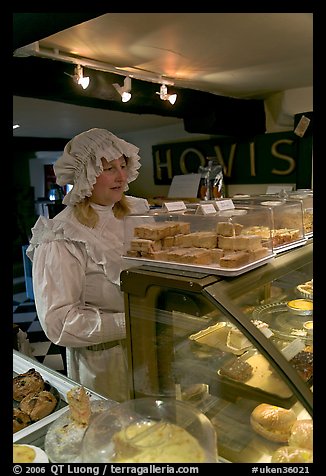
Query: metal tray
{"type": "Point", "coordinates": [34, 434]}
{"type": "Point", "coordinates": [49, 388]}
{"type": "Point", "coordinates": [209, 268]}
{"type": "Point", "coordinates": [264, 385]}
{"type": "Point", "coordinates": [216, 337]}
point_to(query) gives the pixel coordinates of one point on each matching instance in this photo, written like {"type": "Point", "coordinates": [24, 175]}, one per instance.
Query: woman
{"type": "Point", "coordinates": [77, 260]}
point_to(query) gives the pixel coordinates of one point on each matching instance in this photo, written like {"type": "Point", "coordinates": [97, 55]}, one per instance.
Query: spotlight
{"type": "Point", "coordinates": [124, 90]}
{"type": "Point", "coordinates": [79, 77]}
{"type": "Point", "coordinates": [82, 80]}
{"type": "Point", "coordinates": [165, 96]}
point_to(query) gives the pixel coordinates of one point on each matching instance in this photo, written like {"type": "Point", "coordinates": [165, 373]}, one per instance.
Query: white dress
{"type": "Point", "coordinates": [76, 280]}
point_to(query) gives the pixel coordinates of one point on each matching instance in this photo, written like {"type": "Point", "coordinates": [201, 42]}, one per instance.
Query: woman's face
{"type": "Point", "coordinates": [110, 184]}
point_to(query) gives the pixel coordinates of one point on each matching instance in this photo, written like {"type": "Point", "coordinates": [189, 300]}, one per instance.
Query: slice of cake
{"type": "Point", "coordinates": [237, 370]}
{"type": "Point", "coordinates": [79, 405]}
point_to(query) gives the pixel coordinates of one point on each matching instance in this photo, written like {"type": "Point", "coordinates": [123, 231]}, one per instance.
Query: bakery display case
{"type": "Point", "coordinates": [306, 197]}
{"type": "Point", "coordinates": [223, 243]}
{"type": "Point", "coordinates": [288, 229]}
{"type": "Point", "coordinates": [227, 345]}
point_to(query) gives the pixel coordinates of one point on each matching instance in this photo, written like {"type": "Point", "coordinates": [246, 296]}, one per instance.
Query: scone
{"type": "Point", "coordinates": [23, 384]}
{"type": "Point", "coordinates": [38, 404]}
{"type": "Point", "coordinates": [20, 420]}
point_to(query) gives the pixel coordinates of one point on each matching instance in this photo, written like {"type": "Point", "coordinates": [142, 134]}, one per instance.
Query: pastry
{"type": "Point", "coordinates": [20, 420]}
{"type": "Point", "coordinates": [303, 363]}
{"type": "Point", "coordinates": [237, 369]}
{"type": "Point", "coordinates": [23, 384]}
{"type": "Point", "coordinates": [228, 228]}
{"type": "Point", "coordinates": [306, 289]}
{"type": "Point", "coordinates": [205, 239]}
{"type": "Point", "coordinates": [235, 259]}
{"type": "Point", "coordinates": [292, 454]}
{"type": "Point", "coordinates": [38, 404]}
{"type": "Point", "coordinates": [161, 442]}
{"type": "Point", "coordinates": [272, 422]}
{"type": "Point", "coordinates": [301, 305]}
{"type": "Point", "coordinates": [79, 404]}
{"type": "Point", "coordinates": [145, 245]}
{"type": "Point", "coordinates": [29, 454]}
{"type": "Point", "coordinates": [302, 434]}
{"type": "Point", "coordinates": [156, 231]}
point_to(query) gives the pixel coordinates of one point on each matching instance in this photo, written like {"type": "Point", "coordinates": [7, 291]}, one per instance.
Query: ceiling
{"type": "Point", "coordinates": [214, 61]}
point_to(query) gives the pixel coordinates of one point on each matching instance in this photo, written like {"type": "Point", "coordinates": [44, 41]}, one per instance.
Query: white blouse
{"type": "Point", "coordinates": [76, 276]}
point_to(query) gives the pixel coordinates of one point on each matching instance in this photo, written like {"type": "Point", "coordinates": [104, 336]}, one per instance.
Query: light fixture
{"type": "Point", "coordinates": [124, 90]}
{"type": "Point", "coordinates": [15, 126]}
{"type": "Point", "coordinates": [79, 77]}
{"type": "Point", "coordinates": [165, 96]}
{"type": "Point", "coordinates": [34, 49]}
{"type": "Point", "coordinates": [82, 80]}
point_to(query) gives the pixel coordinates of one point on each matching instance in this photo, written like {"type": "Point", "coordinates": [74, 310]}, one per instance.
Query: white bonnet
{"type": "Point", "coordinates": [80, 163]}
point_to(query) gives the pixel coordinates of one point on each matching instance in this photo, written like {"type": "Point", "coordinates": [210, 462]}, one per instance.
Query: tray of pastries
{"type": "Point", "coordinates": [33, 399]}
{"type": "Point", "coordinates": [251, 376]}
{"type": "Point", "coordinates": [222, 249]}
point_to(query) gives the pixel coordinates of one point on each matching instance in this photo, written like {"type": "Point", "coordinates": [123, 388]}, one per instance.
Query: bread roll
{"type": "Point", "coordinates": [292, 454]}
{"type": "Point", "coordinates": [38, 404]}
{"type": "Point", "coordinates": [23, 384]}
{"type": "Point", "coordinates": [20, 420]}
{"type": "Point", "coordinates": [302, 434]}
{"type": "Point", "coordinates": [272, 422]}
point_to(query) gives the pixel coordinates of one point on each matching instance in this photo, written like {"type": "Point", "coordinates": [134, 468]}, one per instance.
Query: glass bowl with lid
{"type": "Point", "coordinates": [150, 430]}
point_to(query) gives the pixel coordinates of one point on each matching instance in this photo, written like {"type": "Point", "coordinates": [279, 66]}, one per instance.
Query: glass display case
{"type": "Point", "coordinates": [226, 344]}
{"type": "Point", "coordinates": [287, 219]}
{"type": "Point", "coordinates": [306, 197]}
{"type": "Point", "coordinates": [223, 243]}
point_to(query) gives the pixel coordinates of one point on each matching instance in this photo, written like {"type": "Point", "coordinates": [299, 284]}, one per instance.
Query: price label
{"type": "Point", "coordinates": [293, 349]}
{"type": "Point", "coordinates": [224, 204]}
{"type": "Point", "coordinates": [174, 206]}
{"type": "Point", "coordinates": [205, 209]}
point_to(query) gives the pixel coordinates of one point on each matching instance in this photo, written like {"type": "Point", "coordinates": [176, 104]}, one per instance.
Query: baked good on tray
{"type": "Point", "coordinates": [25, 383]}
{"type": "Point", "coordinates": [292, 454]}
{"type": "Point", "coordinates": [170, 241]}
{"type": "Point", "coordinates": [272, 422]}
{"type": "Point", "coordinates": [38, 404]}
{"type": "Point", "coordinates": [79, 404]}
{"type": "Point", "coordinates": [156, 442]}
{"type": "Point", "coordinates": [63, 440]}
{"type": "Point", "coordinates": [303, 363]}
{"type": "Point", "coordinates": [20, 420]}
{"type": "Point", "coordinates": [302, 434]}
{"type": "Point", "coordinates": [237, 369]}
